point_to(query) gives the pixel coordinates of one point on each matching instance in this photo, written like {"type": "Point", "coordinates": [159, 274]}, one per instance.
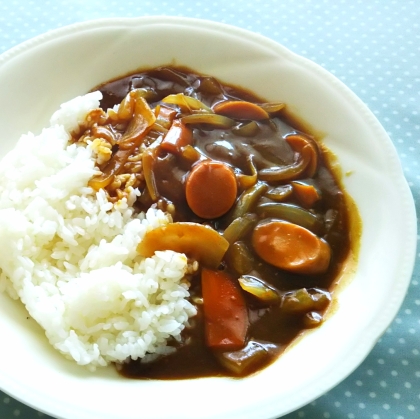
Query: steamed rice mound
{"type": "Point", "coordinates": [70, 255]}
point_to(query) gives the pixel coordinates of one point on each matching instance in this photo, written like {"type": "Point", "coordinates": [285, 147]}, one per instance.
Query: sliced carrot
{"type": "Point", "coordinates": [225, 312]}
{"type": "Point", "coordinates": [197, 241]}
{"type": "Point", "coordinates": [306, 194]}
{"type": "Point", "coordinates": [291, 247]}
{"type": "Point", "coordinates": [240, 110]}
{"type": "Point", "coordinates": [178, 136]}
{"type": "Point", "coordinates": [165, 116]}
{"type": "Point", "coordinates": [211, 189]}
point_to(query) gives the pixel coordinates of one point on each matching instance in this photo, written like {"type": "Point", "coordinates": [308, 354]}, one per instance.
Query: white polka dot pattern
{"type": "Point", "coordinates": [373, 46]}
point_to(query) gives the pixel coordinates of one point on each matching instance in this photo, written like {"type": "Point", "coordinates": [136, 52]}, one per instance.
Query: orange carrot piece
{"type": "Point", "coordinates": [306, 194]}
{"type": "Point", "coordinates": [211, 189]}
{"type": "Point", "coordinates": [178, 136]}
{"type": "Point", "coordinates": [291, 247]}
{"type": "Point", "coordinates": [165, 116]}
{"type": "Point", "coordinates": [240, 110]}
{"type": "Point", "coordinates": [225, 311]}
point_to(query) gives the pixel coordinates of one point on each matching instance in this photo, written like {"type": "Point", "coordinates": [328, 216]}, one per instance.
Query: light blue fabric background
{"type": "Point", "coordinates": [373, 46]}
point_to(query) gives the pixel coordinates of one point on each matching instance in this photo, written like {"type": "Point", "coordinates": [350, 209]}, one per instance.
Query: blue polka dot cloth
{"type": "Point", "coordinates": [373, 46]}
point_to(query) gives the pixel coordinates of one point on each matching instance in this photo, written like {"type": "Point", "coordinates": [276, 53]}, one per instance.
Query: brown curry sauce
{"type": "Point", "coordinates": [269, 325]}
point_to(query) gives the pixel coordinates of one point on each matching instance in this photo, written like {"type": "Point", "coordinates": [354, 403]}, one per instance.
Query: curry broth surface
{"type": "Point", "coordinates": [268, 324]}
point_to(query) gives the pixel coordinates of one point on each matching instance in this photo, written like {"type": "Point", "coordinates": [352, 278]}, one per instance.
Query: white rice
{"type": "Point", "coordinates": [70, 255]}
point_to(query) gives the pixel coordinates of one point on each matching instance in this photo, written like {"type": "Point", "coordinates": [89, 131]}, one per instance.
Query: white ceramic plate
{"type": "Point", "coordinates": [41, 73]}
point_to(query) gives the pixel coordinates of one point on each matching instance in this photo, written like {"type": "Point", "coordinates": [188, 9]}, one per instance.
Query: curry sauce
{"type": "Point", "coordinates": [275, 180]}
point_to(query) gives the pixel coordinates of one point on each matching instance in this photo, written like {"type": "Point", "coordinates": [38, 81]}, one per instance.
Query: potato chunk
{"type": "Point", "coordinates": [197, 241]}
